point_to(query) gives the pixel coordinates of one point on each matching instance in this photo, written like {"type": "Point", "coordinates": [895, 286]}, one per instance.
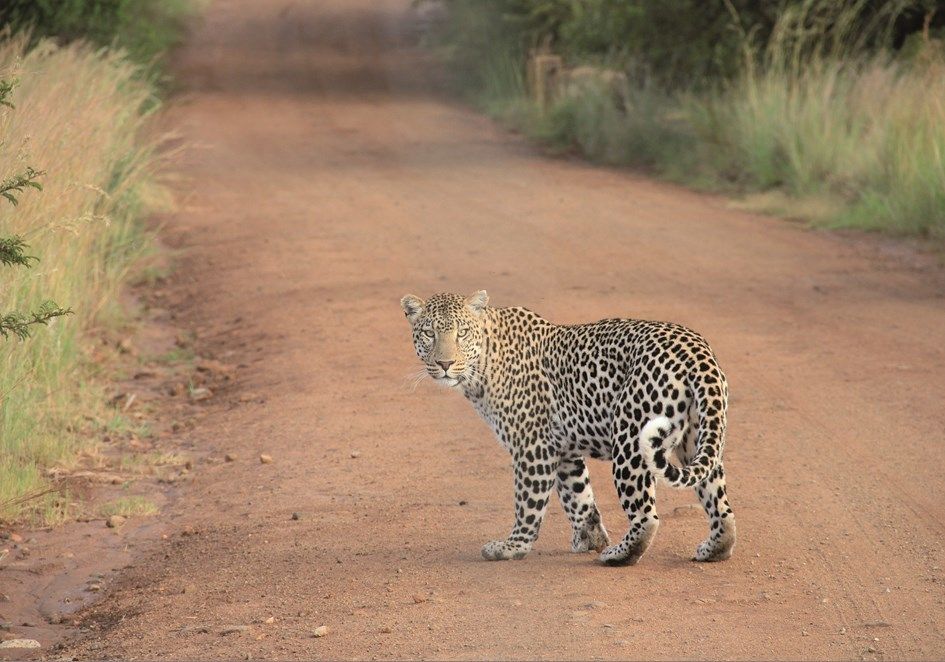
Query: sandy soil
{"type": "Point", "coordinates": [327, 180]}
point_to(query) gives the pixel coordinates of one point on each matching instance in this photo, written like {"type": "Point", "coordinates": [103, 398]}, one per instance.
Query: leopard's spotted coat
{"type": "Point", "coordinates": [632, 392]}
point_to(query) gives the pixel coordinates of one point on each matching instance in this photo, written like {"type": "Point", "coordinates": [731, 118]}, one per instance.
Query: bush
{"type": "Point", "coordinates": [145, 29]}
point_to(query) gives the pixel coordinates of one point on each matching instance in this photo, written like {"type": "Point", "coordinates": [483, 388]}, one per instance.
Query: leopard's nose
{"type": "Point", "coordinates": [445, 364]}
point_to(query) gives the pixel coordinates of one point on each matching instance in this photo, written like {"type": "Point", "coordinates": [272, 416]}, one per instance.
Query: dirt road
{"type": "Point", "coordinates": [328, 180]}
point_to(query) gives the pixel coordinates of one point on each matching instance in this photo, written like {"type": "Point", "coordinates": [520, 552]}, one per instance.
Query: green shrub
{"type": "Point", "coordinates": [145, 29]}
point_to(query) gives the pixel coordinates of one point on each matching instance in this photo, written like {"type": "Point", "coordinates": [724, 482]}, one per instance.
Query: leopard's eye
{"type": "Point", "coordinates": [463, 332]}
{"type": "Point", "coordinates": [428, 333]}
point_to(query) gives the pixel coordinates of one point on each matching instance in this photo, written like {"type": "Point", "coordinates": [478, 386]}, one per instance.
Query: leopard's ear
{"type": "Point", "coordinates": [412, 306]}
{"type": "Point", "coordinates": [478, 301]}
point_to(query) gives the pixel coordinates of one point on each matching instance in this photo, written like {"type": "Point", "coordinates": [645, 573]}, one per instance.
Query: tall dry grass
{"type": "Point", "coordinates": [79, 115]}
{"type": "Point", "coordinates": [865, 132]}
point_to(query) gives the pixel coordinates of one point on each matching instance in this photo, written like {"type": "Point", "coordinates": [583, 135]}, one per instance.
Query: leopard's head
{"type": "Point", "coordinates": [448, 333]}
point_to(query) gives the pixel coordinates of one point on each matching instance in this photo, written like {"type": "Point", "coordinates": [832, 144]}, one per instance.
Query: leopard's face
{"type": "Point", "coordinates": [448, 334]}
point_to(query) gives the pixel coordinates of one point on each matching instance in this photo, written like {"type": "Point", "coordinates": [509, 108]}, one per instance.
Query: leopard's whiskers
{"type": "Point", "coordinates": [413, 379]}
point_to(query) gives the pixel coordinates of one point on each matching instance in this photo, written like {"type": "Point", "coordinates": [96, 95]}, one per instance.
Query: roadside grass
{"type": "Point", "coordinates": [813, 127]}
{"type": "Point", "coordinates": [129, 506]}
{"type": "Point", "coordinates": [80, 114]}
{"type": "Point", "coordinates": [150, 463]}
{"type": "Point", "coordinates": [121, 424]}
{"type": "Point", "coordinates": [867, 135]}
{"type": "Point", "coordinates": [176, 356]}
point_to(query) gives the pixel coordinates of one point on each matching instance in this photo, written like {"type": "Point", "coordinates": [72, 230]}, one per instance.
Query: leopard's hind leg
{"type": "Point", "coordinates": [636, 485]}
{"type": "Point", "coordinates": [636, 489]}
{"type": "Point", "coordinates": [721, 541]}
{"type": "Point", "coordinates": [711, 493]}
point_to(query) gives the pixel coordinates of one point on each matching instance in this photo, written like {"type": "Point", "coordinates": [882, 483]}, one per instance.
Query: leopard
{"type": "Point", "coordinates": [647, 396]}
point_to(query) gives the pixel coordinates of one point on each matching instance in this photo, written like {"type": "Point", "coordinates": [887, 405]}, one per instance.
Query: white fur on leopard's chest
{"type": "Point", "coordinates": [484, 407]}
{"type": "Point", "coordinates": [480, 395]}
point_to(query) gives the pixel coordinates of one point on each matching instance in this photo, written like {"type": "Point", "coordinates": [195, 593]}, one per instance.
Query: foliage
{"type": "Point", "coordinates": [143, 28]}
{"type": "Point", "coordinates": [9, 188]}
{"type": "Point", "coordinates": [672, 42]}
{"type": "Point", "coordinates": [6, 89]}
{"type": "Point", "coordinates": [13, 249]}
{"type": "Point", "coordinates": [13, 252]}
{"type": "Point", "coordinates": [19, 323]}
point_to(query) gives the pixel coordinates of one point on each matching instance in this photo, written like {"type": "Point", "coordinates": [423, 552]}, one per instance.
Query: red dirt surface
{"type": "Point", "coordinates": [329, 179]}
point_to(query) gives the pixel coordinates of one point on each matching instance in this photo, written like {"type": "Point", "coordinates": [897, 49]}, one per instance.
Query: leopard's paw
{"type": "Point", "coordinates": [620, 554]}
{"type": "Point", "coordinates": [590, 537]}
{"type": "Point", "coordinates": [719, 549]}
{"type": "Point", "coordinates": [503, 550]}
{"type": "Point", "coordinates": [633, 546]}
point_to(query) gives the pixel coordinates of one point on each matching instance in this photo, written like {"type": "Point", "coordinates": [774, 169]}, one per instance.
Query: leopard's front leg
{"type": "Point", "coordinates": [577, 499]}
{"type": "Point", "coordinates": [535, 469]}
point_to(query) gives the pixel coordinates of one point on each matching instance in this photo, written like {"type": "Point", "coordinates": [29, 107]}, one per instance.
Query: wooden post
{"type": "Point", "coordinates": [543, 69]}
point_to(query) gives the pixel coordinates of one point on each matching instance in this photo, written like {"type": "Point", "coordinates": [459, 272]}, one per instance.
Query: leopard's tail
{"type": "Point", "coordinates": [659, 436]}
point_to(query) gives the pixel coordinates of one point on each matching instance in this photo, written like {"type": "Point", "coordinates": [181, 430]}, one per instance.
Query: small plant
{"type": "Point", "coordinates": [13, 249]}
{"type": "Point", "coordinates": [120, 424]}
{"type": "Point", "coordinates": [176, 356]}
{"type": "Point", "coordinates": [128, 506]}
{"type": "Point", "coordinates": [15, 185]}
{"type": "Point", "coordinates": [19, 323]}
